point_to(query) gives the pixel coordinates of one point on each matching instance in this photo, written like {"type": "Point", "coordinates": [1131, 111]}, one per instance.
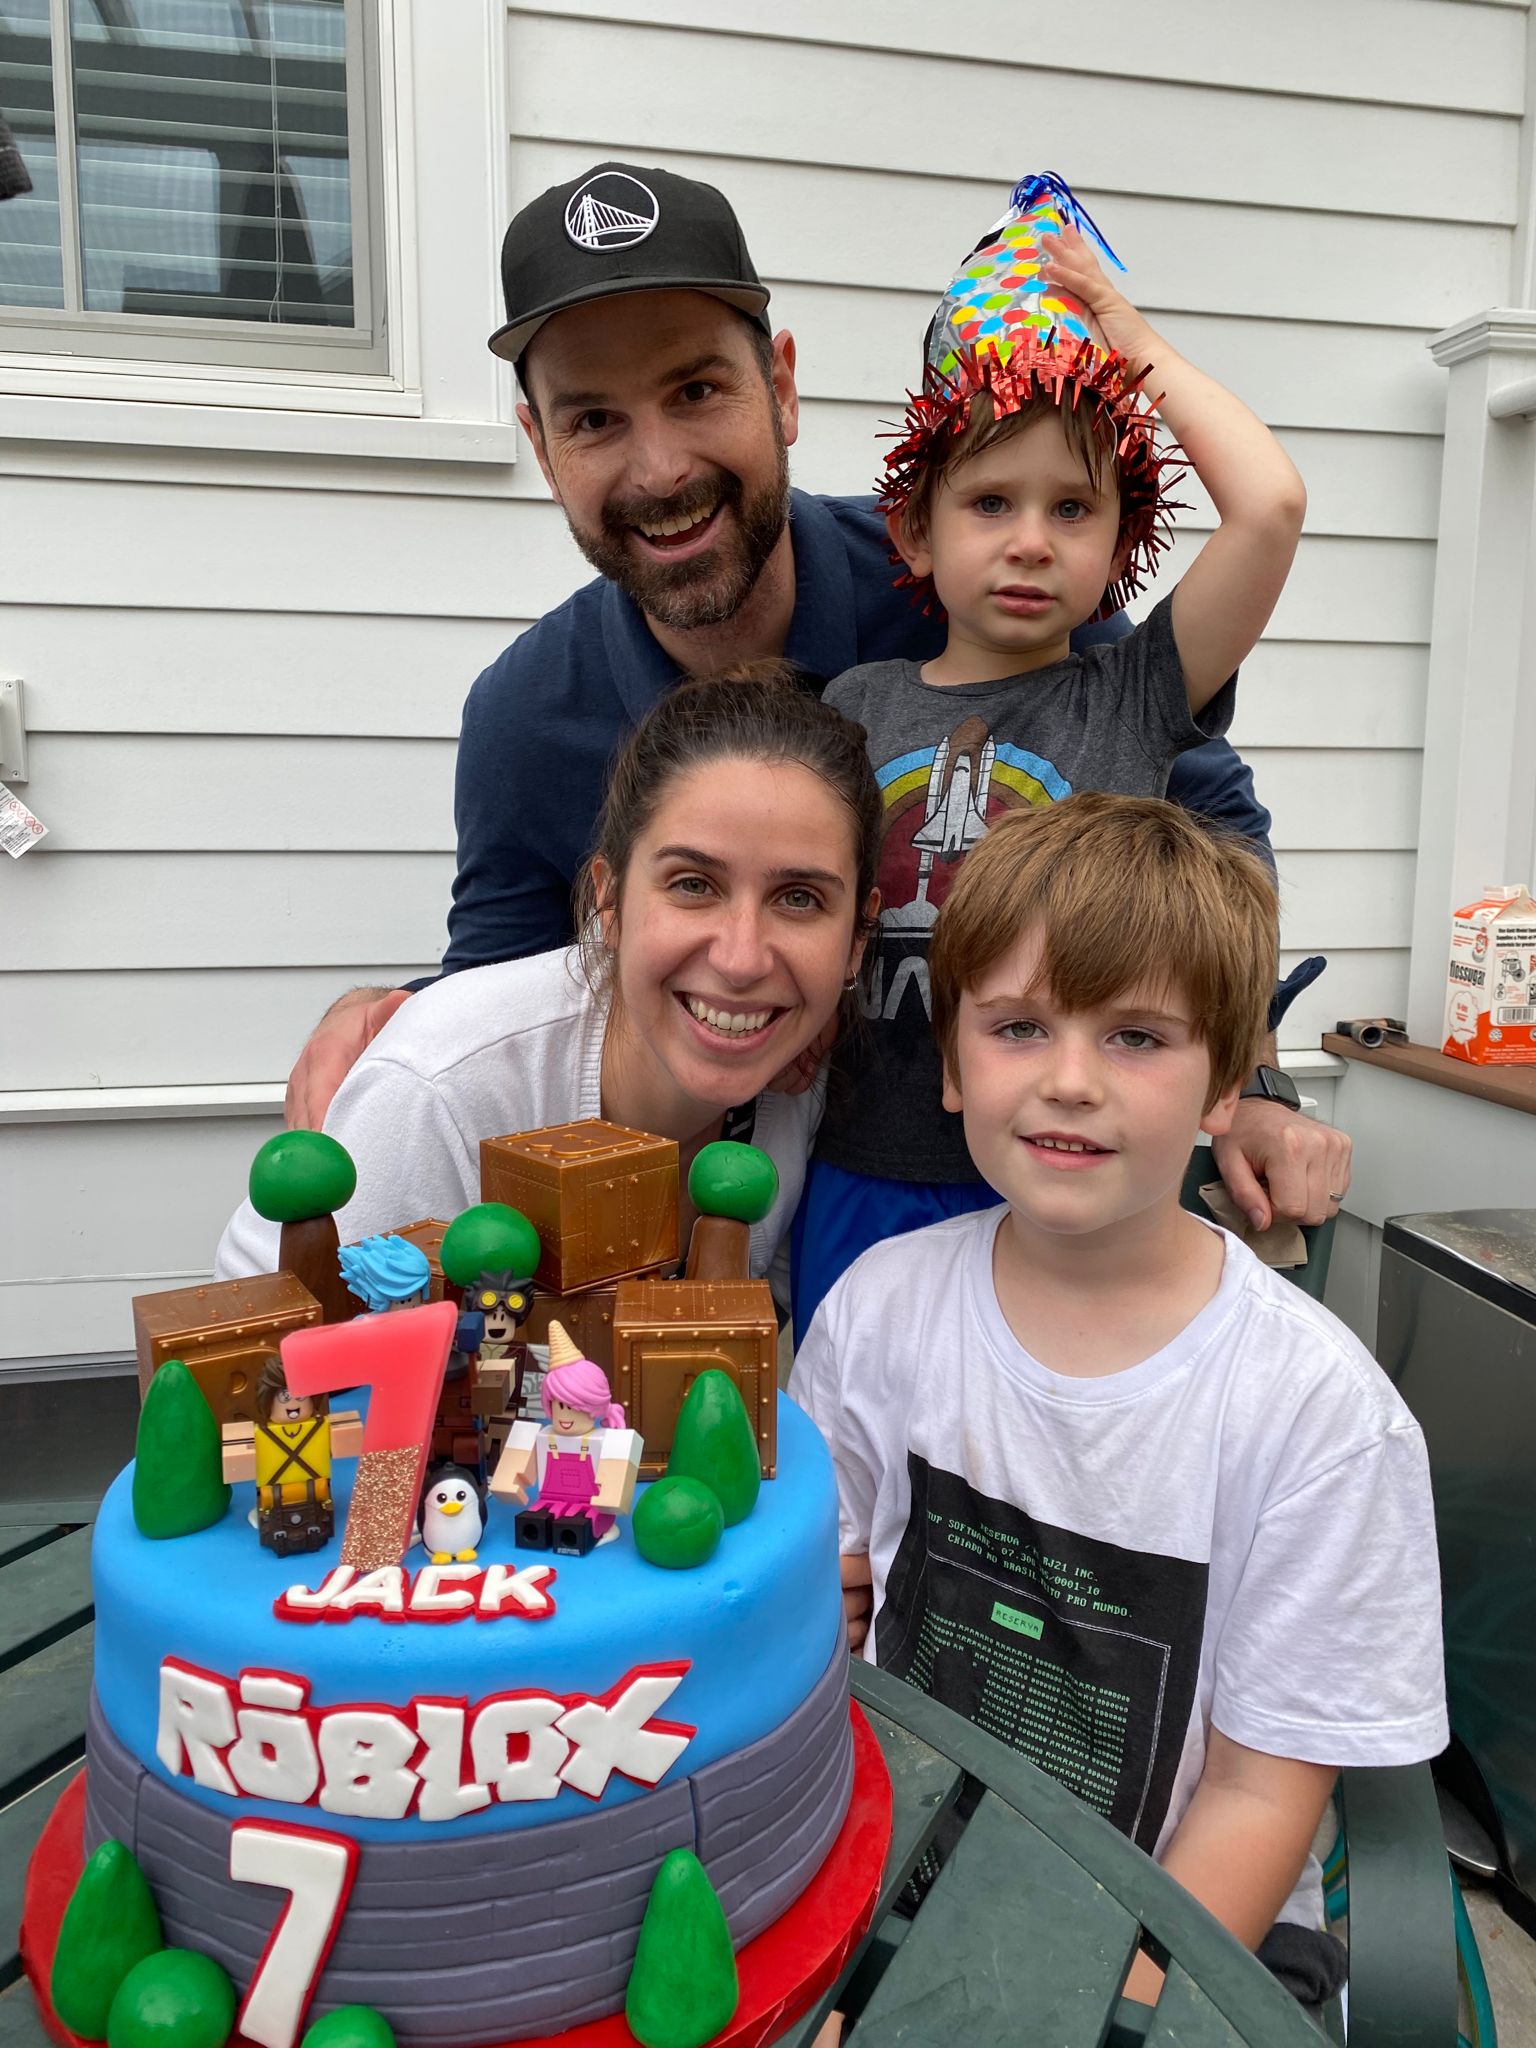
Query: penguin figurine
{"type": "Point", "coordinates": [452, 1515]}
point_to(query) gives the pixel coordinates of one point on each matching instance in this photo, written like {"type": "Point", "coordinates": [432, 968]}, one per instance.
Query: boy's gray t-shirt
{"type": "Point", "coordinates": [948, 758]}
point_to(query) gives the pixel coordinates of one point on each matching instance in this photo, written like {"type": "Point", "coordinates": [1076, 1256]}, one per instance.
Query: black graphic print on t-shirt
{"type": "Point", "coordinates": [1080, 1654]}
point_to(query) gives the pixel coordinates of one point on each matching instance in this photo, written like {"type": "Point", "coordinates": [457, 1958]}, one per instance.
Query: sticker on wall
{"type": "Point", "coordinates": [20, 829]}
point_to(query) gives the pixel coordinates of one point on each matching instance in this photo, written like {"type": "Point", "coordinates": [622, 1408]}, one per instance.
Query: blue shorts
{"type": "Point", "coordinates": [842, 1214]}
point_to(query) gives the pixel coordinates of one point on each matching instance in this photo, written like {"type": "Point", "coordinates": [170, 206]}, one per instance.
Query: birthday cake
{"type": "Point", "coordinates": [512, 1747]}
{"type": "Point", "coordinates": [442, 1788]}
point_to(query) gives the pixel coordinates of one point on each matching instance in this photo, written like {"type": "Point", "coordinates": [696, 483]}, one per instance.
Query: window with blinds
{"type": "Point", "coordinates": [199, 187]}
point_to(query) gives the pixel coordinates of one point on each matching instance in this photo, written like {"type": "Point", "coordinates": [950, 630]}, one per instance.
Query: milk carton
{"type": "Point", "coordinates": [1490, 994]}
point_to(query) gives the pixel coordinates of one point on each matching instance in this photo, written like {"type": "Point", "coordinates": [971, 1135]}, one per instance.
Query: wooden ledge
{"type": "Point", "coordinates": [1512, 1087]}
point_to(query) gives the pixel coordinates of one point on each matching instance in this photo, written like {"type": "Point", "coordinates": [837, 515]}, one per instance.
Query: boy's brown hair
{"type": "Point", "coordinates": [1123, 891]}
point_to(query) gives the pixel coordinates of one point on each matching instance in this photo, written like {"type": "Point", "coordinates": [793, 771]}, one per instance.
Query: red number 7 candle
{"type": "Point", "coordinates": [401, 1358]}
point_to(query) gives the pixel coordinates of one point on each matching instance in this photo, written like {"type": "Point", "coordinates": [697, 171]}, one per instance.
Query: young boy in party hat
{"type": "Point", "coordinates": [1027, 494]}
{"type": "Point", "coordinates": [1108, 1486]}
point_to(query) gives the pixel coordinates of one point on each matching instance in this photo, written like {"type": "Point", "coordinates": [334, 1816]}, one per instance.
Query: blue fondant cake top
{"type": "Point", "coordinates": [179, 1621]}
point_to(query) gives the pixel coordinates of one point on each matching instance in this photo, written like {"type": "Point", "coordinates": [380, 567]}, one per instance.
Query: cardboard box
{"type": "Point", "coordinates": [222, 1333]}
{"type": "Point", "coordinates": [603, 1199]}
{"type": "Point", "coordinates": [1490, 993]}
{"type": "Point", "coordinates": [666, 1332]}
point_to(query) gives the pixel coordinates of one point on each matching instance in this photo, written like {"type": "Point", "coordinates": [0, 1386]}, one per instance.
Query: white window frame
{"type": "Point", "coordinates": [184, 339]}
{"type": "Point", "coordinates": [442, 397]}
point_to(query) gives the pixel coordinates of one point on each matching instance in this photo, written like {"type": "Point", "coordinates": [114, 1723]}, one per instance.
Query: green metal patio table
{"type": "Point", "coordinates": [1024, 1938]}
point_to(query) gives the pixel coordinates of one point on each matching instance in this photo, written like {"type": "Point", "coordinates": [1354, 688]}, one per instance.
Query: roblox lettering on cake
{"type": "Point", "coordinates": [258, 1737]}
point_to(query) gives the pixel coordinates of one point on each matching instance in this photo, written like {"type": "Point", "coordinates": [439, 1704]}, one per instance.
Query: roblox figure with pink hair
{"type": "Point", "coordinates": [581, 1462]}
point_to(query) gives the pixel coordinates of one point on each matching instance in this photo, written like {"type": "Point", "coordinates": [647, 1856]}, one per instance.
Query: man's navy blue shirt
{"type": "Point", "coordinates": [542, 725]}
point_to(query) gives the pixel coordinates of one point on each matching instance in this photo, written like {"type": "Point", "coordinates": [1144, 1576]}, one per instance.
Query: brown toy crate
{"type": "Point", "coordinates": [428, 1235]}
{"type": "Point", "coordinates": [666, 1332]}
{"type": "Point", "coordinates": [603, 1199]}
{"type": "Point", "coordinates": [221, 1332]}
{"type": "Point", "coordinates": [586, 1317]}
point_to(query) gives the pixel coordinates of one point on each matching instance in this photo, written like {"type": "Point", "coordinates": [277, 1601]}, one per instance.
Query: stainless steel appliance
{"type": "Point", "coordinates": [1456, 1330]}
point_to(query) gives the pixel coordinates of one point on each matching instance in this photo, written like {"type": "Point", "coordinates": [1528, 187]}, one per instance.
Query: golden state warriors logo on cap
{"type": "Point", "coordinates": [611, 211]}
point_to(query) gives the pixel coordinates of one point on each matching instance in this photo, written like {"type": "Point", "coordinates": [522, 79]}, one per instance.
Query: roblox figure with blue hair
{"type": "Point", "coordinates": [386, 1273]}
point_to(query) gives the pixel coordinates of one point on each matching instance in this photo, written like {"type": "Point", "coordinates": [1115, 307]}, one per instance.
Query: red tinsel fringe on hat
{"type": "Point", "coordinates": [1147, 469]}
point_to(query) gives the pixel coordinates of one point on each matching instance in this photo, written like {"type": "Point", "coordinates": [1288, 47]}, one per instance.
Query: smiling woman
{"type": "Point", "coordinates": [723, 918]}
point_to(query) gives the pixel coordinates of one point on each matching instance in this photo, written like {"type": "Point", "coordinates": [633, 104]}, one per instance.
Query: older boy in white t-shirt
{"type": "Point", "coordinates": [1108, 1486]}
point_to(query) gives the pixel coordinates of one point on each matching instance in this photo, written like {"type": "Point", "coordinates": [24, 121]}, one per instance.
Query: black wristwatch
{"type": "Point", "coordinates": [1271, 1085]}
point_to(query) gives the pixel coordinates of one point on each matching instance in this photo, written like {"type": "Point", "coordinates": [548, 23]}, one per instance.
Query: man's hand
{"type": "Point", "coordinates": [1277, 1162]}
{"type": "Point", "coordinates": [351, 1023]}
{"type": "Point", "coordinates": [805, 1066]}
{"type": "Point", "coordinates": [858, 1598]}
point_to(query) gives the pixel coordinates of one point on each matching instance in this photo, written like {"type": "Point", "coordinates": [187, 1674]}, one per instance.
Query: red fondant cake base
{"type": "Point", "coordinates": [781, 1973]}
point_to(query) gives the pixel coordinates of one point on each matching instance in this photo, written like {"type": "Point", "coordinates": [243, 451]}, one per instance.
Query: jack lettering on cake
{"type": "Point", "coordinates": [437, 1593]}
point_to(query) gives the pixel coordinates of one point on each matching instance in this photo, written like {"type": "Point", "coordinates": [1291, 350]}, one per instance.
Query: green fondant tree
{"type": "Point", "coordinates": [299, 1179]}
{"type": "Point", "coordinates": [109, 1925]}
{"type": "Point", "coordinates": [677, 1523]}
{"type": "Point", "coordinates": [732, 1187]}
{"type": "Point", "coordinates": [714, 1443]}
{"type": "Point", "coordinates": [488, 1238]}
{"type": "Point", "coordinates": [176, 1999]}
{"type": "Point", "coordinates": [299, 1174]}
{"type": "Point", "coordinates": [727, 1179]}
{"type": "Point", "coordinates": [178, 1485]}
{"type": "Point", "coordinates": [351, 2026]}
{"type": "Point", "coordinates": [682, 1989]}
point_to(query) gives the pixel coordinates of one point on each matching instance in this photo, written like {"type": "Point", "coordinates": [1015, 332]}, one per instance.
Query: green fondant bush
{"type": "Point", "coordinates": [677, 1523]}
{"type": "Point", "coordinates": [109, 1925]}
{"type": "Point", "coordinates": [351, 2026]}
{"type": "Point", "coordinates": [682, 1989]}
{"type": "Point", "coordinates": [176, 1999]}
{"type": "Point", "coordinates": [714, 1443]}
{"type": "Point", "coordinates": [178, 1483]}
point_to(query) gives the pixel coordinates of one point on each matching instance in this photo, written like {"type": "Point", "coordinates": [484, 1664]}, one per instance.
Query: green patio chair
{"type": "Point", "coordinates": [1027, 1934]}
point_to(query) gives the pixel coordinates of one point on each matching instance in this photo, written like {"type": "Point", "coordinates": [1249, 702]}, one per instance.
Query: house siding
{"type": "Point", "coordinates": [244, 671]}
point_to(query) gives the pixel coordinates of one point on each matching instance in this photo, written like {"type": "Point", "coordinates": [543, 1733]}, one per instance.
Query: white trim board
{"type": "Point", "coordinates": [127, 1105]}
{"type": "Point", "coordinates": [265, 1098]}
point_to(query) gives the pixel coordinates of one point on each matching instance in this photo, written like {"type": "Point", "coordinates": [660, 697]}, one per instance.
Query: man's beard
{"type": "Point", "coordinates": [712, 588]}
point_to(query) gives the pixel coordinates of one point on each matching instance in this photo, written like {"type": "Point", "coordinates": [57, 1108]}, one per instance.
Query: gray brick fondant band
{"type": "Point", "coordinates": [483, 1938]}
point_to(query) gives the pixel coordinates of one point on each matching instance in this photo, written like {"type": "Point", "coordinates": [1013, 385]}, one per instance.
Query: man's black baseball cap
{"type": "Point", "coordinates": [621, 228]}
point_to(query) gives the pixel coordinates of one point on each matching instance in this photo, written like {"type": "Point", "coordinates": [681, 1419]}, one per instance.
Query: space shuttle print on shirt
{"type": "Point", "coordinates": [938, 802]}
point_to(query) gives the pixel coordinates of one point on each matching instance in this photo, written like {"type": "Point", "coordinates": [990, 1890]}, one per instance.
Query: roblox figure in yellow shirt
{"type": "Point", "coordinates": [293, 1442]}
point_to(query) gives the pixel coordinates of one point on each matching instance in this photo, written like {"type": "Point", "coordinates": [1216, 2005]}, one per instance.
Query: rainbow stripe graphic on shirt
{"type": "Point", "coordinates": [1036, 782]}
{"type": "Point", "coordinates": [937, 802]}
